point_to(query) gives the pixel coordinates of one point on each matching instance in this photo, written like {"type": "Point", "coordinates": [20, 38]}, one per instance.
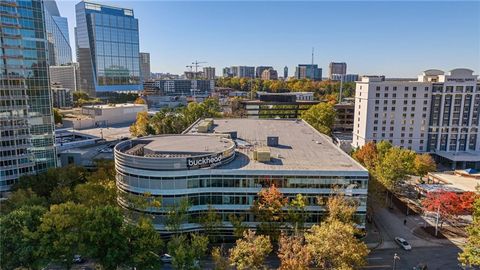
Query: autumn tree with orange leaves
{"type": "Point", "coordinates": [268, 209]}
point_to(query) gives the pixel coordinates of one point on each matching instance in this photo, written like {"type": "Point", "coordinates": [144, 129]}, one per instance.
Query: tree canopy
{"type": "Point", "coordinates": [321, 117]}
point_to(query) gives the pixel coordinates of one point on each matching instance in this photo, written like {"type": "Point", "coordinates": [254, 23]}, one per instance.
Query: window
{"type": "Point", "coordinates": [377, 95]}
{"type": "Point", "coordinates": [414, 95]}
{"type": "Point", "coordinates": [385, 95]}
{"type": "Point", "coordinates": [394, 95]}
{"type": "Point", "coordinates": [406, 88]}
{"type": "Point", "coordinates": [405, 95]}
{"type": "Point", "coordinates": [394, 88]}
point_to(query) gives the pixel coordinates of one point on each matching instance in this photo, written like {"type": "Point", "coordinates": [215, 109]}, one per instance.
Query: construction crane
{"type": "Point", "coordinates": [195, 65]}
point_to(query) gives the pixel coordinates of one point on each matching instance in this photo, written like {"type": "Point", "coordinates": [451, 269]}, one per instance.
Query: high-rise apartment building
{"type": "Point", "coordinates": [269, 74]}
{"type": "Point", "coordinates": [107, 48]}
{"type": "Point", "coordinates": [209, 73]}
{"type": "Point", "coordinates": [26, 118]}
{"type": "Point", "coordinates": [227, 72]}
{"type": "Point", "coordinates": [344, 77]}
{"type": "Point", "coordinates": [60, 51]}
{"type": "Point", "coordinates": [285, 72]}
{"type": "Point", "coordinates": [66, 76]}
{"type": "Point", "coordinates": [243, 72]}
{"type": "Point", "coordinates": [259, 71]}
{"type": "Point", "coordinates": [308, 71]}
{"type": "Point", "coordinates": [337, 68]}
{"type": "Point", "coordinates": [145, 66]}
{"type": "Point", "coordinates": [439, 113]}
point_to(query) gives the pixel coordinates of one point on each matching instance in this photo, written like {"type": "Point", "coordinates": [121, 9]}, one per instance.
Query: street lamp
{"type": "Point", "coordinates": [395, 258]}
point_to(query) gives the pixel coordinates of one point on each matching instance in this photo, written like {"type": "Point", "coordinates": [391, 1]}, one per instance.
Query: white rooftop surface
{"type": "Point", "coordinates": [300, 146]}
{"type": "Point", "coordinates": [111, 133]}
{"type": "Point", "coordinates": [457, 181]}
{"type": "Point", "coordinates": [188, 144]}
{"type": "Point", "coordinates": [108, 106]}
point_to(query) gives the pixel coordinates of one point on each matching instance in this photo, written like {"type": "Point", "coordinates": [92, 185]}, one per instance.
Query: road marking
{"type": "Point", "coordinates": [375, 258]}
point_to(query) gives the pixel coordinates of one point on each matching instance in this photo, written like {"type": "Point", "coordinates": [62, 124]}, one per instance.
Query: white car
{"type": "Point", "coordinates": [403, 243]}
{"type": "Point", "coordinates": [166, 258]}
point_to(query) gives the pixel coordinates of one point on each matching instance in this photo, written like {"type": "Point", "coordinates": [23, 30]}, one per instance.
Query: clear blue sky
{"type": "Point", "coordinates": [397, 39]}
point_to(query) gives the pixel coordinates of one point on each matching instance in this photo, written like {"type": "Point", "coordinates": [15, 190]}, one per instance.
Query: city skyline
{"type": "Point", "coordinates": [383, 33]}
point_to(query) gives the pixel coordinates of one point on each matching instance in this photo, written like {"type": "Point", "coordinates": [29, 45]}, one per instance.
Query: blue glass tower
{"type": "Point", "coordinates": [107, 48]}
{"type": "Point", "coordinates": [59, 49]}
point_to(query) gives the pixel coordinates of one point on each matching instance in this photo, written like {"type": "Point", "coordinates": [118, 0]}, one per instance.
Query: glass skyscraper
{"type": "Point", "coordinates": [59, 49]}
{"type": "Point", "coordinates": [107, 48]}
{"type": "Point", "coordinates": [26, 118]}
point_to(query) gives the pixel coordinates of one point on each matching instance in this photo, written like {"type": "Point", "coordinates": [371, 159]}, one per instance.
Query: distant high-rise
{"type": "Point", "coordinates": [336, 68]}
{"type": "Point", "coordinates": [308, 71]}
{"type": "Point", "coordinates": [209, 73]}
{"type": "Point", "coordinates": [145, 66]}
{"type": "Point", "coordinates": [26, 118]}
{"type": "Point", "coordinates": [107, 48]}
{"type": "Point", "coordinates": [243, 72]}
{"type": "Point", "coordinates": [227, 72]}
{"type": "Point", "coordinates": [259, 71]}
{"type": "Point", "coordinates": [269, 74]}
{"type": "Point", "coordinates": [60, 51]}
{"type": "Point", "coordinates": [66, 76]}
{"type": "Point", "coordinates": [285, 72]}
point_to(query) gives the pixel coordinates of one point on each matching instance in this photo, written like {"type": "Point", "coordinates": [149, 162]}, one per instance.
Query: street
{"type": "Point", "coordinates": [442, 257]}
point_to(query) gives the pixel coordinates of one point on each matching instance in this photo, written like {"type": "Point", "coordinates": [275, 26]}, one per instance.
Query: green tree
{"type": "Point", "coordinates": [20, 198]}
{"type": "Point", "coordinates": [210, 222]}
{"type": "Point", "coordinates": [424, 164]}
{"type": "Point", "coordinates": [100, 188]}
{"type": "Point", "coordinates": [293, 253]}
{"type": "Point", "coordinates": [61, 234]}
{"type": "Point", "coordinates": [186, 254]}
{"type": "Point", "coordinates": [268, 209]}
{"type": "Point", "coordinates": [19, 241]}
{"type": "Point", "coordinates": [250, 251]}
{"type": "Point", "coordinates": [177, 215]}
{"type": "Point", "coordinates": [297, 214]}
{"type": "Point", "coordinates": [238, 226]}
{"type": "Point", "coordinates": [333, 245]}
{"type": "Point", "coordinates": [321, 117]}
{"type": "Point", "coordinates": [470, 255]}
{"type": "Point", "coordinates": [103, 236]}
{"type": "Point", "coordinates": [57, 116]}
{"type": "Point", "coordinates": [396, 164]}
{"type": "Point", "coordinates": [143, 245]}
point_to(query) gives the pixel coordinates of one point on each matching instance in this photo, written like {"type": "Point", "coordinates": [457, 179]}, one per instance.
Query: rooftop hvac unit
{"type": "Point", "coordinates": [272, 141]}
{"type": "Point", "coordinates": [261, 154]}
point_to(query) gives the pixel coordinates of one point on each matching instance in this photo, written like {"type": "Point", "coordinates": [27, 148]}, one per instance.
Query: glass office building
{"type": "Point", "coordinates": [59, 49]}
{"type": "Point", "coordinates": [107, 48]}
{"type": "Point", "coordinates": [26, 118]}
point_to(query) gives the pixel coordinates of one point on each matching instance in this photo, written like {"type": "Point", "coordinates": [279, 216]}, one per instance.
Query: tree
{"type": "Point", "coordinates": [296, 213]}
{"type": "Point", "coordinates": [424, 164]}
{"type": "Point", "coordinates": [448, 204]}
{"type": "Point", "coordinates": [220, 258]}
{"type": "Point", "coordinates": [211, 221]}
{"type": "Point", "coordinates": [321, 117]}
{"type": "Point", "coordinates": [143, 244]}
{"type": "Point", "coordinates": [395, 165]}
{"type": "Point", "coordinates": [367, 156]}
{"type": "Point", "coordinates": [141, 126]}
{"type": "Point", "coordinates": [293, 253]}
{"type": "Point", "coordinates": [341, 208]}
{"type": "Point", "coordinates": [237, 223]}
{"type": "Point", "coordinates": [268, 209]}
{"type": "Point", "coordinates": [100, 188]}
{"type": "Point", "coordinates": [470, 255]}
{"type": "Point", "coordinates": [250, 251]}
{"type": "Point", "coordinates": [186, 254]}
{"type": "Point", "coordinates": [20, 198]}
{"type": "Point", "coordinates": [57, 116]}
{"type": "Point", "coordinates": [61, 235]}
{"type": "Point", "coordinates": [103, 236]}
{"type": "Point", "coordinates": [333, 245]}
{"type": "Point", "coordinates": [19, 242]}
{"type": "Point", "coordinates": [177, 215]}
{"type": "Point", "coordinates": [139, 100]}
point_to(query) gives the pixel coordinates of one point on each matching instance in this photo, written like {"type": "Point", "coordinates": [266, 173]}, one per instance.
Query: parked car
{"type": "Point", "coordinates": [166, 258]}
{"type": "Point", "coordinates": [78, 259]}
{"type": "Point", "coordinates": [403, 243]}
